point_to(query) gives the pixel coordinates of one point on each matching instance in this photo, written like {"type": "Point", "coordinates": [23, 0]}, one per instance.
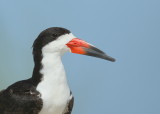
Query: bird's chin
{"type": "Point", "coordinates": [64, 50]}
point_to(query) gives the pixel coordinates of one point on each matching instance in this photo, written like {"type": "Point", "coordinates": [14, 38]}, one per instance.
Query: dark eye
{"type": "Point", "coordinates": [54, 35]}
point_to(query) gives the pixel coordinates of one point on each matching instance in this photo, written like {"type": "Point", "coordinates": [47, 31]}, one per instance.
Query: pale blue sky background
{"type": "Point", "coordinates": [128, 30]}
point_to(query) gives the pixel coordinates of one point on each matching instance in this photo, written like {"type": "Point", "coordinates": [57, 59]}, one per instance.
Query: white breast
{"type": "Point", "coordinates": [53, 87]}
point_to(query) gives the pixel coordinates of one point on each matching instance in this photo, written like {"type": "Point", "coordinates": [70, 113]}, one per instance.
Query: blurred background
{"type": "Point", "coordinates": [128, 30]}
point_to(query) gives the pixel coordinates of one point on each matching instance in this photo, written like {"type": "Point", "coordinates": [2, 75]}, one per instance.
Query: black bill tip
{"type": "Point", "coordinates": [106, 57]}
{"type": "Point", "coordinates": [95, 52]}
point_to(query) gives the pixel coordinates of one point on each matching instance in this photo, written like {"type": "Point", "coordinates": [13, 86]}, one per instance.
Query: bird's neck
{"type": "Point", "coordinates": [52, 68]}
{"type": "Point", "coordinates": [48, 66]}
{"type": "Point", "coordinates": [37, 76]}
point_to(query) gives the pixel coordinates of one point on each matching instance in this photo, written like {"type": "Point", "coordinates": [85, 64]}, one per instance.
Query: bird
{"type": "Point", "coordinates": [47, 90]}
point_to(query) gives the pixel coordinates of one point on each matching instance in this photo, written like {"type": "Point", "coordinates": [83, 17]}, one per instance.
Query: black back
{"type": "Point", "coordinates": [20, 98]}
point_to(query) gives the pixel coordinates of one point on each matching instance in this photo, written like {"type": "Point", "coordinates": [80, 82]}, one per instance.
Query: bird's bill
{"type": "Point", "coordinates": [81, 47]}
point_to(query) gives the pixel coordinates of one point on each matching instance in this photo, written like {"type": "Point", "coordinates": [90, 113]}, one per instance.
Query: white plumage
{"type": "Point", "coordinates": [53, 87]}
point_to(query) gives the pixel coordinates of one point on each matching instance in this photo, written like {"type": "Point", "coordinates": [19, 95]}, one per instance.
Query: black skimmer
{"type": "Point", "coordinates": [47, 91]}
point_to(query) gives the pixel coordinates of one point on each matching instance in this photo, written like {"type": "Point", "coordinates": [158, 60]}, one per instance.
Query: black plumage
{"type": "Point", "coordinates": [20, 98]}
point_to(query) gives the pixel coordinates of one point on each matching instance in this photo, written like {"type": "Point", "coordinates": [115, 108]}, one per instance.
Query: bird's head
{"type": "Point", "coordinates": [59, 40]}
